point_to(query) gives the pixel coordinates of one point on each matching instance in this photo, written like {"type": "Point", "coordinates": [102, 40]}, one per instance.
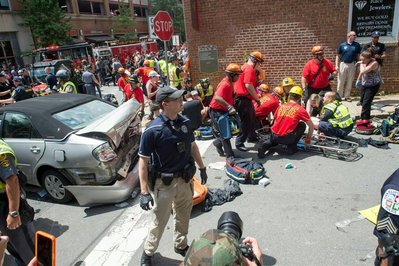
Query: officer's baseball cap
{"type": "Point", "coordinates": [214, 248]}
{"type": "Point", "coordinates": [375, 34]}
{"type": "Point", "coordinates": [19, 79]}
{"type": "Point", "coordinates": [170, 93]}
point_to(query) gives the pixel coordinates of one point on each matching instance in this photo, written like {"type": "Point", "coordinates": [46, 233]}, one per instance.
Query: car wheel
{"type": "Point", "coordinates": [54, 183]}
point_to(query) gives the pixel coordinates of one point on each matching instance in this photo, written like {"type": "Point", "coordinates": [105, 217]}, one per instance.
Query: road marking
{"type": "Point", "coordinates": [126, 234]}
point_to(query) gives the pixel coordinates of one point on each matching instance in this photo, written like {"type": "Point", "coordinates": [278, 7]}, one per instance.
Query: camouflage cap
{"type": "Point", "coordinates": [214, 248]}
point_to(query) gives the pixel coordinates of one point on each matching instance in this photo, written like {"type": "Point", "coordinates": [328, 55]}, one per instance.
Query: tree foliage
{"type": "Point", "coordinates": [47, 21]}
{"type": "Point", "coordinates": [175, 9]}
{"type": "Point", "coordinates": [124, 22]}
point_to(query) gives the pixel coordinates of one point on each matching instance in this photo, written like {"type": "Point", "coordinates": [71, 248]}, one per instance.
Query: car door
{"type": "Point", "coordinates": [18, 131]}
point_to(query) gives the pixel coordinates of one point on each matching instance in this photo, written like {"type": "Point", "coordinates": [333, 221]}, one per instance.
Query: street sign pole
{"type": "Point", "coordinates": [167, 64]}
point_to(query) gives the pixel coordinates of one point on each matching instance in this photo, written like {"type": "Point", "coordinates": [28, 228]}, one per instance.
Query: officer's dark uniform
{"type": "Point", "coordinates": [21, 239]}
{"type": "Point", "coordinates": [22, 92]}
{"type": "Point", "coordinates": [388, 216]}
{"type": "Point", "coordinates": [168, 144]}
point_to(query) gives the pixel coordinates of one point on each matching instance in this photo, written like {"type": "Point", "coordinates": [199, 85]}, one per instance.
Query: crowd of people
{"type": "Point", "coordinates": [168, 152]}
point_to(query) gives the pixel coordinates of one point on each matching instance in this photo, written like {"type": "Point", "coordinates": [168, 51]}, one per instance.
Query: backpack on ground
{"type": "Point", "coordinates": [204, 133]}
{"type": "Point", "coordinates": [390, 123]}
{"type": "Point", "coordinates": [245, 171]}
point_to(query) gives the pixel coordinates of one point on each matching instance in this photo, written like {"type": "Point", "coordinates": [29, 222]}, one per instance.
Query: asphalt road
{"type": "Point", "coordinates": [294, 218]}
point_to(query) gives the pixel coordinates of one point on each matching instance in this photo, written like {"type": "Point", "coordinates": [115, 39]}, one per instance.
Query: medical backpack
{"type": "Point", "coordinates": [245, 171]}
{"type": "Point", "coordinates": [204, 133]}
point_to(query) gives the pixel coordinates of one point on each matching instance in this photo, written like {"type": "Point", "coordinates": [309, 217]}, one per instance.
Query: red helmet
{"type": "Point", "coordinates": [278, 90]}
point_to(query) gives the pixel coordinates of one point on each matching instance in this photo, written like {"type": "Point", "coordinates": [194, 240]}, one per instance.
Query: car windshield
{"type": "Point", "coordinates": [39, 75]}
{"type": "Point", "coordinates": [82, 115]}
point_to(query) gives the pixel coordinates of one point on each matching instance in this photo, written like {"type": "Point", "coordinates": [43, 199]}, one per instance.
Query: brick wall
{"type": "Point", "coordinates": [285, 31]}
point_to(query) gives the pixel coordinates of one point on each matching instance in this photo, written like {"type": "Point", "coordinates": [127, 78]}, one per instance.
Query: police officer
{"type": "Point", "coordinates": [245, 92]}
{"type": "Point", "coordinates": [387, 227]}
{"type": "Point", "coordinates": [66, 86]}
{"type": "Point", "coordinates": [336, 120]}
{"type": "Point", "coordinates": [21, 92]}
{"type": "Point", "coordinates": [221, 104]}
{"type": "Point", "coordinates": [21, 236]}
{"type": "Point", "coordinates": [168, 145]}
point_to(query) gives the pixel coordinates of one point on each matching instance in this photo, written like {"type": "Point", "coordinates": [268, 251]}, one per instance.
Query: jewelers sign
{"type": "Point", "coordinates": [372, 15]}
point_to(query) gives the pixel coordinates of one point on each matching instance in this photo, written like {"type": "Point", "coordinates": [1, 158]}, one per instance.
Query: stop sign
{"type": "Point", "coordinates": [163, 25]}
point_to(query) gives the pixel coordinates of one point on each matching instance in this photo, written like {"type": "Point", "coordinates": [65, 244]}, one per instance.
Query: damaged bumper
{"type": "Point", "coordinates": [97, 195]}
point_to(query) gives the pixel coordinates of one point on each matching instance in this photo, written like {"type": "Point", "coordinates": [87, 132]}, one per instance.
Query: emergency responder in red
{"type": "Point", "coordinates": [288, 128]}
{"type": "Point", "coordinates": [269, 102]}
{"type": "Point", "coordinates": [123, 80]}
{"type": "Point", "coordinates": [222, 103]}
{"type": "Point", "coordinates": [143, 72]}
{"type": "Point", "coordinates": [133, 91]}
{"type": "Point", "coordinates": [316, 73]}
{"type": "Point", "coordinates": [245, 92]}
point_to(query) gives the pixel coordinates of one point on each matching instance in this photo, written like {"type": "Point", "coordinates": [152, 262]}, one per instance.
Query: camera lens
{"type": "Point", "coordinates": [231, 224]}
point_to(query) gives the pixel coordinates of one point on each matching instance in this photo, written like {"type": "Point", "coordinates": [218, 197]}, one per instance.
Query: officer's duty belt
{"type": "Point", "coordinates": [175, 175]}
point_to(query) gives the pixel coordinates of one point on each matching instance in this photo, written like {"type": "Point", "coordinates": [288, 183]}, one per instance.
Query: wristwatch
{"type": "Point", "coordinates": [14, 214]}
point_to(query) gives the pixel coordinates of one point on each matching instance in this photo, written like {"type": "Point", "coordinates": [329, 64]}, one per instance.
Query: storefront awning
{"type": "Point", "coordinates": [99, 38]}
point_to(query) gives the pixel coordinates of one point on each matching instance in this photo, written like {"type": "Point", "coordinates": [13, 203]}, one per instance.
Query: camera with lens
{"type": "Point", "coordinates": [231, 224]}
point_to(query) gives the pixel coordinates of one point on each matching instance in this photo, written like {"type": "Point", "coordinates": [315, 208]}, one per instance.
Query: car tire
{"type": "Point", "coordinates": [54, 182]}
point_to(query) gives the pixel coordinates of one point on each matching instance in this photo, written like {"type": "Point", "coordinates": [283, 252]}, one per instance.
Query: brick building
{"type": "Point", "coordinates": [91, 21]}
{"type": "Point", "coordinates": [285, 31]}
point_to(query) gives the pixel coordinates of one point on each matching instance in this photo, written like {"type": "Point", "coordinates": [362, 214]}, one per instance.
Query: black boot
{"type": "Point", "coordinates": [219, 147]}
{"type": "Point", "coordinates": [145, 259]}
{"type": "Point", "coordinates": [182, 251]}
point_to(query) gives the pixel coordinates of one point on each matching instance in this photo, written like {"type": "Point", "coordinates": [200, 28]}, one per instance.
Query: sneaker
{"type": "Point", "coordinates": [182, 251]}
{"type": "Point", "coordinates": [145, 259]}
{"type": "Point", "coordinates": [358, 103]}
{"type": "Point", "coordinates": [241, 147]}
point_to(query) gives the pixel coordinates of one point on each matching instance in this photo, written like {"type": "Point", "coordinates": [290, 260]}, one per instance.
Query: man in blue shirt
{"type": "Point", "coordinates": [347, 55]}
{"type": "Point", "coordinates": [166, 167]}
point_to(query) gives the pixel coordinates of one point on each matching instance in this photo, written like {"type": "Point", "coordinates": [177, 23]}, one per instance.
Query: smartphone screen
{"type": "Point", "coordinates": [44, 250]}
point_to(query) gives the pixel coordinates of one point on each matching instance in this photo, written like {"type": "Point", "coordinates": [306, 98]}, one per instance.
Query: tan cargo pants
{"type": "Point", "coordinates": [177, 196]}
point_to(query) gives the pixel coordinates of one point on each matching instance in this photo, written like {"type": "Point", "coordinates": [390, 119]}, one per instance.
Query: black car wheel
{"type": "Point", "coordinates": [54, 183]}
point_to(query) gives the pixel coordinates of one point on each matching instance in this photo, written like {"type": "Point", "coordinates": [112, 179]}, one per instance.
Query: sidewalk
{"type": "Point", "coordinates": [382, 106]}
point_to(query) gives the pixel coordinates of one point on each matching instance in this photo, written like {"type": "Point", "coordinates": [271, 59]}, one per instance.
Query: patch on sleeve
{"type": "Point", "coordinates": [387, 225]}
{"type": "Point", "coordinates": [390, 201]}
{"type": "Point", "coordinates": [4, 162]}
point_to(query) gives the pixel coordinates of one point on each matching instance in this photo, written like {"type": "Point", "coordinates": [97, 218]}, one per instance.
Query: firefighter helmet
{"type": "Point", "coordinates": [287, 82]}
{"type": "Point", "coordinates": [317, 50]}
{"type": "Point", "coordinates": [296, 90]}
{"type": "Point", "coordinates": [264, 87]}
{"type": "Point", "coordinates": [257, 56]}
{"type": "Point", "coordinates": [233, 69]}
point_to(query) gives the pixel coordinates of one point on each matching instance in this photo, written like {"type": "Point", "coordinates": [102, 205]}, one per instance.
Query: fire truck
{"type": "Point", "coordinates": [122, 51]}
{"type": "Point", "coordinates": [74, 52]}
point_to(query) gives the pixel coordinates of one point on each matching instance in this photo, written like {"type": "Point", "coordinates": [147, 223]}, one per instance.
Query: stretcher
{"type": "Point", "coordinates": [328, 146]}
{"type": "Point", "coordinates": [331, 147]}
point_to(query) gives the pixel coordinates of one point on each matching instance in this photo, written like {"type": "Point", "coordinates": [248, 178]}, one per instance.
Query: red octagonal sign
{"type": "Point", "coordinates": [163, 25]}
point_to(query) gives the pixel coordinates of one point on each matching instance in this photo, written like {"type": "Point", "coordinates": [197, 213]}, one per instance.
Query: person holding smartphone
{"type": "Point", "coordinates": [20, 235]}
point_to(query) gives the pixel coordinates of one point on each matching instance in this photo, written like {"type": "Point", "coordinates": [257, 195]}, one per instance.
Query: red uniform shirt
{"type": "Point", "coordinates": [248, 76]}
{"type": "Point", "coordinates": [122, 82]}
{"type": "Point", "coordinates": [137, 93]}
{"type": "Point", "coordinates": [225, 90]}
{"type": "Point", "coordinates": [287, 118]}
{"type": "Point", "coordinates": [143, 73]}
{"type": "Point", "coordinates": [268, 104]}
{"type": "Point", "coordinates": [321, 80]}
